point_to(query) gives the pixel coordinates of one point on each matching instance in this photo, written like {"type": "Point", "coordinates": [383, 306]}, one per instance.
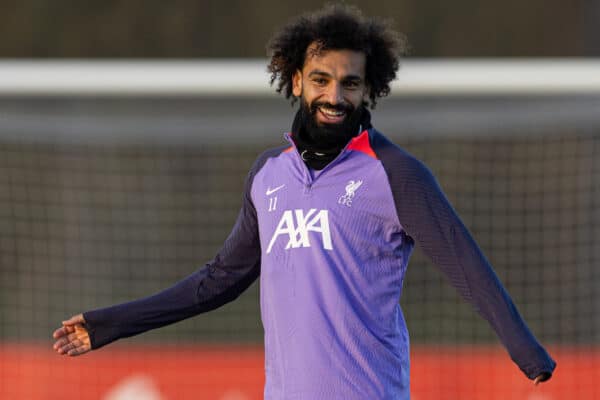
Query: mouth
{"type": "Point", "coordinates": [330, 115]}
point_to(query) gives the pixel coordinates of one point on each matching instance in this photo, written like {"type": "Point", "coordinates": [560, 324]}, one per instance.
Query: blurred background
{"type": "Point", "coordinates": [233, 29]}
{"type": "Point", "coordinates": [112, 188]}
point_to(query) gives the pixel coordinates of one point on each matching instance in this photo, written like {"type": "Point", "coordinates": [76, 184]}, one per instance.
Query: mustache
{"type": "Point", "coordinates": [345, 107]}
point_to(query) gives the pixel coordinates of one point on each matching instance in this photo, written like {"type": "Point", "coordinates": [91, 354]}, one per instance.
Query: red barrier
{"type": "Point", "coordinates": [134, 372]}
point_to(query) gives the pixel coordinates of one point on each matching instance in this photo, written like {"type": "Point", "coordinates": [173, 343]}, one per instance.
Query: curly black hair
{"type": "Point", "coordinates": [337, 27]}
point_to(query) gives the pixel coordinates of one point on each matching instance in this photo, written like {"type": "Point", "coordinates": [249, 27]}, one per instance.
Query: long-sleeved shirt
{"type": "Point", "coordinates": [331, 248]}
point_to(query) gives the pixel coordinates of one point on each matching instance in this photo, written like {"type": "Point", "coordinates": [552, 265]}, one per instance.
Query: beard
{"type": "Point", "coordinates": [329, 135]}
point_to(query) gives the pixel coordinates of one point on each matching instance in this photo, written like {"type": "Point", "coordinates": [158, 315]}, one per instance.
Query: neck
{"type": "Point", "coordinates": [318, 153]}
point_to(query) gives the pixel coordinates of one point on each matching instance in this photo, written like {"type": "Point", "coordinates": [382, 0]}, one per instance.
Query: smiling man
{"type": "Point", "coordinates": [329, 222]}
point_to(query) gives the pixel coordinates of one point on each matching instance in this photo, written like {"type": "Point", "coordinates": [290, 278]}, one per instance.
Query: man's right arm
{"type": "Point", "coordinates": [220, 281]}
{"type": "Point", "coordinates": [235, 267]}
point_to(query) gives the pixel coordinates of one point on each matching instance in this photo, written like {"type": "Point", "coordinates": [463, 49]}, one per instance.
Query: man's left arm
{"type": "Point", "coordinates": [427, 216]}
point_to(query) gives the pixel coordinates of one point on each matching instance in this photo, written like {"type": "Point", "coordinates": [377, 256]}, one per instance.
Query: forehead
{"type": "Point", "coordinates": [335, 62]}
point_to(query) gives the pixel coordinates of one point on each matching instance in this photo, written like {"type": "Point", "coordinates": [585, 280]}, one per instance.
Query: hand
{"type": "Point", "coordinates": [544, 376]}
{"type": "Point", "coordinates": [73, 338]}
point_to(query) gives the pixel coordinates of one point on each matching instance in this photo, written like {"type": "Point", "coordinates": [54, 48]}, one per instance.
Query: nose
{"type": "Point", "coordinates": [335, 94]}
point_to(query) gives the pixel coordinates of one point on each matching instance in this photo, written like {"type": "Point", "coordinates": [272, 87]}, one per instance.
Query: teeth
{"type": "Point", "coordinates": [332, 113]}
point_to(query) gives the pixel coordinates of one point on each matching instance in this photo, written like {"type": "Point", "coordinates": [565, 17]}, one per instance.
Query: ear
{"type": "Point", "coordinates": [297, 83]}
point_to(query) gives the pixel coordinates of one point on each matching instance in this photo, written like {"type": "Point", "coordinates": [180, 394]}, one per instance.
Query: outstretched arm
{"type": "Point", "coordinates": [222, 280]}
{"type": "Point", "coordinates": [428, 218]}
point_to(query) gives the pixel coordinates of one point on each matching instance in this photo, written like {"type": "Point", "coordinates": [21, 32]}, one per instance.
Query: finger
{"type": "Point", "coordinates": [65, 330]}
{"type": "Point", "coordinates": [78, 351]}
{"type": "Point", "coordinates": [58, 344]}
{"type": "Point", "coordinates": [62, 345]}
{"type": "Point", "coordinates": [75, 319]}
{"type": "Point", "coordinates": [63, 348]}
{"type": "Point", "coordinates": [76, 348]}
{"type": "Point", "coordinates": [71, 345]}
{"type": "Point", "coordinates": [58, 333]}
{"type": "Point", "coordinates": [543, 377]}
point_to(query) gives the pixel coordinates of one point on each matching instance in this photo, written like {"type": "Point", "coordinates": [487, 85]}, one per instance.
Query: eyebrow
{"type": "Point", "coordinates": [318, 72]}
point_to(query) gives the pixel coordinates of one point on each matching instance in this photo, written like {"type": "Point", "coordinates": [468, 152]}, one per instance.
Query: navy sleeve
{"type": "Point", "coordinates": [428, 218]}
{"type": "Point", "coordinates": [235, 267]}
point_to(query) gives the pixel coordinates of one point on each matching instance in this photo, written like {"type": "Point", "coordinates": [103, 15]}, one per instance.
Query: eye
{"type": "Point", "coordinates": [319, 81]}
{"type": "Point", "coordinates": [351, 85]}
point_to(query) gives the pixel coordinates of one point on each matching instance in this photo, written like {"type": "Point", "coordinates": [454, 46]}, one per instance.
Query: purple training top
{"type": "Point", "coordinates": [331, 248]}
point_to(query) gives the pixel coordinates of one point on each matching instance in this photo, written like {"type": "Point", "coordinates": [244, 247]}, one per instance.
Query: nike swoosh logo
{"type": "Point", "coordinates": [271, 191]}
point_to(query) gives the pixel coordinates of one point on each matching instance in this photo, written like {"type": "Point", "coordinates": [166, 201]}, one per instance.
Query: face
{"type": "Point", "coordinates": [331, 85]}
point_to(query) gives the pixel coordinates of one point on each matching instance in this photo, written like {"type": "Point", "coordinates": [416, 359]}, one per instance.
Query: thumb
{"type": "Point", "coordinates": [74, 320]}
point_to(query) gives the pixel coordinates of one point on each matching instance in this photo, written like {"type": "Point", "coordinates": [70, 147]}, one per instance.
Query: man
{"type": "Point", "coordinates": [329, 222]}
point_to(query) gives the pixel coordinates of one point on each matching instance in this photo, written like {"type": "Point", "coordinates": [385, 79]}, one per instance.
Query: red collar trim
{"type": "Point", "coordinates": [361, 143]}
